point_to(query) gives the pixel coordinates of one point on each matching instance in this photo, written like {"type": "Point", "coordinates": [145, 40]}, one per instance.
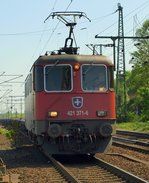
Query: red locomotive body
{"type": "Point", "coordinates": [70, 103]}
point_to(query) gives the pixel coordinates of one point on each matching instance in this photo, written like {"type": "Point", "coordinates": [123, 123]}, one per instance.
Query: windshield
{"type": "Point", "coordinates": [94, 77]}
{"type": "Point", "coordinates": [58, 78]}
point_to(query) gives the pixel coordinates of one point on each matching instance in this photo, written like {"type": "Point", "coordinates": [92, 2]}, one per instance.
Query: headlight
{"type": "Point", "coordinates": [52, 114]}
{"type": "Point", "coordinates": [101, 113]}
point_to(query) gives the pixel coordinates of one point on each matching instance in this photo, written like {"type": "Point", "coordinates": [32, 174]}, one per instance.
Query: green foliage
{"type": "Point", "coordinates": [132, 117]}
{"type": "Point", "coordinates": [138, 79]}
{"type": "Point", "coordinates": [141, 55]}
{"type": "Point", "coordinates": [143, 101]}
{"type": "Point", "coordinates": [8, 133]}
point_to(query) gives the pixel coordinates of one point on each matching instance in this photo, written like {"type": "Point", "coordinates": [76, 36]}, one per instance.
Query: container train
{"type": "Point", "coordinates": [70, 102]}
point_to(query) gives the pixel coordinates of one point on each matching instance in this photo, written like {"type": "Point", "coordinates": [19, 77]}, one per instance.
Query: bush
{"type": "Point", "coordinates": [132, 117]}
{"type": "Point", "coordinates": [8, 133]}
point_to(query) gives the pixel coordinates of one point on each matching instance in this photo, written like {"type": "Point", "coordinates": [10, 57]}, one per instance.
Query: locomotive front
{"type": "Point", "coordinates": [72, 102]}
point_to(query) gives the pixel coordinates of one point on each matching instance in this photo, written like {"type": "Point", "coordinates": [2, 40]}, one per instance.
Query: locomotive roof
{"type": "Point", "coordinates": [73, 58]}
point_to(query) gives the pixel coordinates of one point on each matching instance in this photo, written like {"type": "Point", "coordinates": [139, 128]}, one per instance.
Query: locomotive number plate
{"type": "Point", "coordinates": [77, 113]}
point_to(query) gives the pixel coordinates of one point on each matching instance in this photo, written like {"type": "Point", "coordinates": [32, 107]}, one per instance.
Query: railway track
{"type": "Point", "coordinates": [124, 139]}
{"type": "Point", "coordinates": [131, 141]}
{"type": "Point", "coordinates": [85, 169]}
{"type": "Point", "coordinates": [141, 135]}
{"type": "Point", "coordinates": [53, 175]}
{"type": "Point", "coordinates": [7, 178]}
{"type": "Point", "coordinates": [129, 158]}
{"type": "Point", "coordinates": [80, 169]}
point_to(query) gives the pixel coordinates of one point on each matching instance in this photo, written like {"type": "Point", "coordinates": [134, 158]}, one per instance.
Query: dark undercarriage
{"type": "Point", "coordinates": [75, 138]}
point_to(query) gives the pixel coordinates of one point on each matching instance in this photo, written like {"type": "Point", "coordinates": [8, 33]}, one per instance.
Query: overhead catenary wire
{"type": "Point", "coordinates": [94, 19]}
{"type": "Point", "coordinates": [42, 32]}
{"type": "Point", "coordinates": [143, 6]}
{"type": "Point", "coordinates": [54, 29]}
{"type": "Point", "coordinates": [140, 8]}
{"type": "Point", "coordinates": [45, 26]}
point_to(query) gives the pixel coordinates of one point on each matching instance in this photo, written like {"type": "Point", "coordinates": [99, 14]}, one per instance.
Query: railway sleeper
{"type": "Point", "coordinates": [7, 178]}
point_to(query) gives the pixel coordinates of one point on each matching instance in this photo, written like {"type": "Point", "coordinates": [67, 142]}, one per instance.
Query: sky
{"type": "Point", "coordinates": [24, 36]}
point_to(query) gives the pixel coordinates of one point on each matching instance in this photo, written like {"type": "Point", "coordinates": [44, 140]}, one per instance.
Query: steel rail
{"type": "Point", "coordinates": [133, 133]}
{"type": "Point", "coordinates": [129, 158]}
{"type": "Point", "coordinates": [136, 148]}
{"type": "Point", "coordinates": [126, 176]}
{"type": "Point", "coordinates": [130, 141]}
{"type": "Point", "coordinates": [65, 172]}
{"type": "Point", "coordinates": [119, 172]}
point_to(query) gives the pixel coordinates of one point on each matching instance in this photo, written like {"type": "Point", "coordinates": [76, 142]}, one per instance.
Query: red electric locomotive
{"type": "Point", "coordinates": [70, 102]}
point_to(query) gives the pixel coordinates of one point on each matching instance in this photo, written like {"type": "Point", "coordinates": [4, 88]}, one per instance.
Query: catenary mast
{"type": "Point", "coordinates": [120, 71]}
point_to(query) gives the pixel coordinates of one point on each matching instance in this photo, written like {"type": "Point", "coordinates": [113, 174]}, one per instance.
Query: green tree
{"type": "Point", "coordinates": [138, 82]}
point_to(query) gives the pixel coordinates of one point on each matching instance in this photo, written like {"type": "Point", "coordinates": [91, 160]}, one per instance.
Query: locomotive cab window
{"type": "Point", "coordinates": [94, 78]}
{"type": "Point", "coordinates": [58, 78]}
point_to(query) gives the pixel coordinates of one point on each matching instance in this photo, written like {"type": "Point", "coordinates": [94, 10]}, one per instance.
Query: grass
{"type": "Point", "coordinates": [134, 126]}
